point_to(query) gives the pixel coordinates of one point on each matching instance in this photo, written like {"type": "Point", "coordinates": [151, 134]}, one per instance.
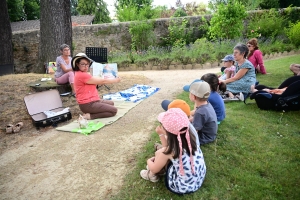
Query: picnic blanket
{"type": "Point", "coordinates": [128, 101]}
{"type": "Point", "coordinates": [134, 94]}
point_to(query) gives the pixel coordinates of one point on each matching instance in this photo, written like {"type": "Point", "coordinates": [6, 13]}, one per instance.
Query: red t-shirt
{"type": "Point", "coordinates": [85, 93]}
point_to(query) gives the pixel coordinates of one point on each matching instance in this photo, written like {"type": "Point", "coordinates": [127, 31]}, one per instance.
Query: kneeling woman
{"type": "Point", "coordinates": [86, 92]}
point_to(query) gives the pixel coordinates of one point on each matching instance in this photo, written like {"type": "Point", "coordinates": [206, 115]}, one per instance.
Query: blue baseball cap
{"type": "Point", "coordinates": [228, 58]}
{"type": "Point", "coordinates": [187, 87]}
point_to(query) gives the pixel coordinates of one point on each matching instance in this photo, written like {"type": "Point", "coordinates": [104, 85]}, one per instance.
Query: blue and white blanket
{"type": "Point", "coordinates": [133, 94]}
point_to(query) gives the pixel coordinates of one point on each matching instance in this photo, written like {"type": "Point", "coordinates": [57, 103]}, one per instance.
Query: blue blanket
{"type": "Point", "coordinates": [133, 94]}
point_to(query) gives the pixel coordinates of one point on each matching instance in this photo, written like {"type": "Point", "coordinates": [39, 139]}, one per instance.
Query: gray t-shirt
{"type": "Point", "coordinates": [205, 122]}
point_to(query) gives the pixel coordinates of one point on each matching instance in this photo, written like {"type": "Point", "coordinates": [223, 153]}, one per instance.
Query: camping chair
{"type": "Point", "coordinates": [99, 55]}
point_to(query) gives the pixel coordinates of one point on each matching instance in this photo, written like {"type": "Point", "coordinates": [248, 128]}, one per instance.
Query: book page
{"type": "Point", "coordinates": [97, 69]}
{"type": "Point", "coordinates": [110, 70]}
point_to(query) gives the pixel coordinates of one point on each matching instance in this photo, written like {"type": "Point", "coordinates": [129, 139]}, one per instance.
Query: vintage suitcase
{"type": "Point", "coordinates": [48, 100]}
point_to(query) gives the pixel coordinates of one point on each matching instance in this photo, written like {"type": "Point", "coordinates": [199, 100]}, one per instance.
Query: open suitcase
{"type": "Point", "coordinates": [48, 100]}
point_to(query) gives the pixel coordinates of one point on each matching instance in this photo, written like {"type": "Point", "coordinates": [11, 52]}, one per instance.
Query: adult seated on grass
{"type": "Point", "coordinates": [255, 56]}
{"type": "Point", "coordinates": [64, 73]}
{"type": "Point", "coordinates": [245, 73]}
{"type": "Point", "coordinates": [295, 68]}
{"type": "Point", "coordinates": [86, 92]}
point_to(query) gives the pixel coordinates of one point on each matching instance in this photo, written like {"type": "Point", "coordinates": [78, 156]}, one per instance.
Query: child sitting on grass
{"type": "Point", "coordinates": [214, 98]}
{"type": "Point", "coordinates": [204, 118]}
{"type": "Point", "coordinates": [185, 171]}
{"type": "Point", "coordinates": [229, 68]}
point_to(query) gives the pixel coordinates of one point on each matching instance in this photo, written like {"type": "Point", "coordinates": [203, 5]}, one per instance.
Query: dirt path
{"type": "Point", "coordinates": [62, 165]}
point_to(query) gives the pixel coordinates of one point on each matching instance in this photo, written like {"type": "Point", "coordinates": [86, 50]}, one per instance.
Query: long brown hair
{"type": "Point", "coordinates": [253, 42]}
{"type": "Point", "coordinates": [173, 144]}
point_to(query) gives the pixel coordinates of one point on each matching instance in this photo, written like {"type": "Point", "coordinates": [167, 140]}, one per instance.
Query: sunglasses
{"type": "Point", "coordinates": [249, 45]}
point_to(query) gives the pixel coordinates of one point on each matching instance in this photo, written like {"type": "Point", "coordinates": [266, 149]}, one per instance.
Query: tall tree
{"type": "Point", "coordinates": [6, 48]}
{"type": "Point", "coordinates": [55, 29]}
{"type": "Point", "coordinates": [94, 7]}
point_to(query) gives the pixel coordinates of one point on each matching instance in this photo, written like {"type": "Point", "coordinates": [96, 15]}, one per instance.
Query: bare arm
{"type": "Point", "coordinates": [162, 135]}
{"type": "Point", "coordinates": [237, 76]}
{"type": "Point", "coordinates": [155, 164]}
{"type": "Point", "coordinates": [63, 67]}
{"type": "Point", "coordinates": [94, 80]}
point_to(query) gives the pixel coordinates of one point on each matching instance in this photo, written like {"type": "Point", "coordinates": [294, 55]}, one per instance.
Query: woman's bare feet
{"type": "Point", "coordinates": [87, 116]}
{"type": "Point", "coordinates": [253, 89]}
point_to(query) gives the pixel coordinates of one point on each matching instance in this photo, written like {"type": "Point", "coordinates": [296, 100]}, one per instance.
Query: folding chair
{"type": "Point", "coordinates": [99, 55]}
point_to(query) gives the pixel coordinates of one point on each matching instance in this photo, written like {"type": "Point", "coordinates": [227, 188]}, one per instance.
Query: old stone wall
{"type": "Point", "coordinates": [114, 36]}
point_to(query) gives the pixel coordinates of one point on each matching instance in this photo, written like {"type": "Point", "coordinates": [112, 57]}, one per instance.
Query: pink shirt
{"type": "Point", "coordinates": [85, 93]}
{"type": "Point", "coordinates": [257, 60]}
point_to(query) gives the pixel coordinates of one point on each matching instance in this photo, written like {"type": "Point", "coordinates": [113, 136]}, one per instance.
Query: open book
{"type": "Point", "coordinates": [51, 67]}
{"type": "Point", "coordinates": [108, 70]}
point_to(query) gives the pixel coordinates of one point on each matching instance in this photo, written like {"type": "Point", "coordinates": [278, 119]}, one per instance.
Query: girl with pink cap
{"type": "Point", "coordinates": [180, 156]}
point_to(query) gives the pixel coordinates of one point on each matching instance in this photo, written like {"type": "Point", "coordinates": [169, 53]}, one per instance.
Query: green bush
{"type": "Point", "coordinates": [293, 34]}
{"type": "Point", "coordinates": [227, 22]}
{"type": "Point", "coordinates": [179, 34]}
{"type": "Point", "coordinates": [267, 24]}
{"type": "Point", "coordinates": [142, 34]}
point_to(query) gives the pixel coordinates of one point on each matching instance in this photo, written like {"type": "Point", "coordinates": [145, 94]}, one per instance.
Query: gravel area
{"type": "Point", "coordinates": [63, 165]}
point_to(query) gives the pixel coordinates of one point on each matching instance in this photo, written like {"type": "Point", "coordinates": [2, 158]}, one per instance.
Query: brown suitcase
{"type": "Point", "coordinates": [48, 100]}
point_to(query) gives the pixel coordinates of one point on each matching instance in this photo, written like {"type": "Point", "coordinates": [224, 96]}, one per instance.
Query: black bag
{"type": "Point", "coordinates": [288, 100]}
{"type": "Point", "coordinates": [48, 100]}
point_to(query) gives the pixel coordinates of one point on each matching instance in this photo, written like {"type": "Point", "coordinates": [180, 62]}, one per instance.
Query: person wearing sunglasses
{"type": "Point", "coordinates": [255, 56]}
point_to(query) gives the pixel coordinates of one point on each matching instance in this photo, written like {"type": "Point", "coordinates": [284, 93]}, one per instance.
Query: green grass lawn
{"type": "Point", "coordinates": [256, 154]}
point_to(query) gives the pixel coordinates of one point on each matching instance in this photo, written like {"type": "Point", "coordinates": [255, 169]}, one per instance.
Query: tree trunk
{"type": "Point", "coordinates": [6, 47]}
{"type": "Point", "coordinates": [55, 30]}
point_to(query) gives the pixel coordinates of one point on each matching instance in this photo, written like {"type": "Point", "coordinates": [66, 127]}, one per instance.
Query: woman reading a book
{"type": "Point", "coordinates": [64, 72]}
{"type": "Point", "coordinates": [86, 92]}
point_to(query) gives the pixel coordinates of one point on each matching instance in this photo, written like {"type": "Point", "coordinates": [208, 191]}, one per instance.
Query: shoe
{"type": "Point", "coordinates": [9, 128]}
{"type": "Point", "coordinates": [145, 174]}
{"type": "Point", "coordinates": [241, 96]}
{"type": "Point", "coordinates": [17, 127]}
{"type": "Point", "coordinates": [231, 99]}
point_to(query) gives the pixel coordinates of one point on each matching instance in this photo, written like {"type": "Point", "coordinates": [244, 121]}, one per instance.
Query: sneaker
{"type": "Point", "coordinates": [231, 99]}
{"type": "Point", "coordinates": [145, 174]}
{"type": "Point", "coordinates": [241, 96]}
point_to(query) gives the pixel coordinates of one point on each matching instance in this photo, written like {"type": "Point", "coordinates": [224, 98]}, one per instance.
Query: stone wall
{"type": "Point", "coordinates": [114, 36]}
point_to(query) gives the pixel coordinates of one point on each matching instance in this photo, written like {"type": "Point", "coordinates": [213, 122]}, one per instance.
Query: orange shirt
{"type": "Point", "coordinates": [85, 93]}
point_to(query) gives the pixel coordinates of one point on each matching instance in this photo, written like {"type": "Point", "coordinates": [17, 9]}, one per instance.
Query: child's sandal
{"type": "Point", "coordinates": [9, 128]}
{"type": "Point", "coordinates": [18, 127]}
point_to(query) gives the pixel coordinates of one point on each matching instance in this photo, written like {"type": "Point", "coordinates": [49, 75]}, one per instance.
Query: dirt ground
{"type": "Point", "coordinates": [50, 164]}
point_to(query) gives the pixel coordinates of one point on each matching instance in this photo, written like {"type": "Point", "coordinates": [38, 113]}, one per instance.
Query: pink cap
{"type": "Point", "coordinates": [173, 121]}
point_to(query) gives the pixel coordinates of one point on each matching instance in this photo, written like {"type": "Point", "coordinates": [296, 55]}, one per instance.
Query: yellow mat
{"type": "Point", "coordinates": [96, 124]}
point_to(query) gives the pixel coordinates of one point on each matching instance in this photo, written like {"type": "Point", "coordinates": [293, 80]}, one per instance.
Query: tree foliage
{"type": "Point", "coordinates": [94, 7]}
{"type": "Point", "coordinates": [132, 13]}
{"type": "Point", "coordinates": [32, 9]}
{"type": "Point", "coordinates": [227, 22]}
{"type": "Point", "coordinates": [138, 3]}
{"type": "Point", "coordinates": [15, 10]}
{"type": "Point", "coordinates": [74, 4]}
